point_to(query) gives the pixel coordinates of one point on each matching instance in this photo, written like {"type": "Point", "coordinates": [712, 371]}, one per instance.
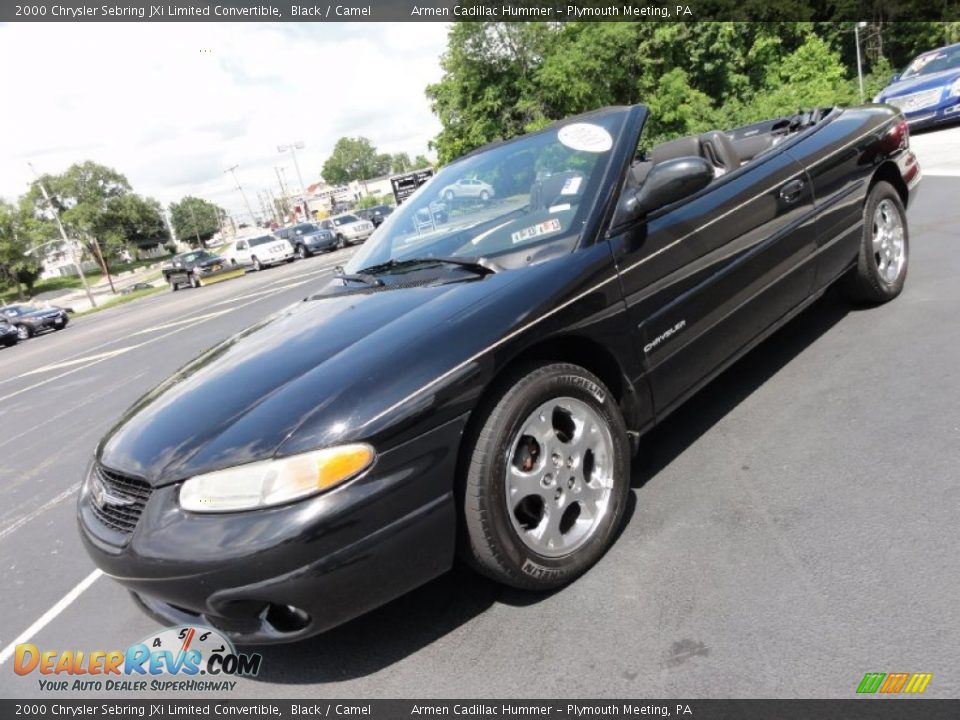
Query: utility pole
{"type": "Point", "coordinates": [63, 234]}
{"type": "Point", "coordinates": [233, 171]}
{"type": "Point", "coordinates": [856, 37]}
{"type": "Point", "coordinates": [293, 147]}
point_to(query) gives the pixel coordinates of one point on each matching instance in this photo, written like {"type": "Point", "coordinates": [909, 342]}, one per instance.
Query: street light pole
{"type": "Point", "coordinates": [233, 171]}
{"type": "Point", "coordinates": [63, 235]}
{"type": "Point", "coordinates": [293, 147]}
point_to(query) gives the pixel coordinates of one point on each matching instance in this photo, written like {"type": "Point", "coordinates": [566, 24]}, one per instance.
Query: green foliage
{"type": "Point", "coordinates": [501, 80]}
{"type": "Point", "coordinates": [20, 231]}
{"type": "Point", "coordinates": [194, 218]}
{"type": "Point", "coordinates": [422, 161]}
{"type": "Point", "coordinates": [354, 159]}
{"type": "Point", "coordinates": [400, 162]}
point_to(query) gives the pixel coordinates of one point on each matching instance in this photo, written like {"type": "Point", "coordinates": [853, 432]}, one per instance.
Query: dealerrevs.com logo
{"type": "Point", "coordinates": [184, 658]}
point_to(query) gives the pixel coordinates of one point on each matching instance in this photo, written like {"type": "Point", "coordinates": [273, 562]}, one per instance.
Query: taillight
{"type": "Point", "coordinates": [897, 137]}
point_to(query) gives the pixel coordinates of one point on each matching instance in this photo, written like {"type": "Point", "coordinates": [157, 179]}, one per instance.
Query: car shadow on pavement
{"type": "Point", "coordinates": [399, 629]}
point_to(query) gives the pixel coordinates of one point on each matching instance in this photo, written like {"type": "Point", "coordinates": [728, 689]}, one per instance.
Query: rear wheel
{"type": "Point", "coordinates": [23, 332]}
{"type": "Point", "coordinates": [256, 264]}
{"type": "Point", "coordinates": [547, 481]}
{"type": "Point", "coordinates": [341, 242]}
{"type": "Point", "coordinates": [881, 269]}
{"type": "Point", "coordinates": [174, 286]}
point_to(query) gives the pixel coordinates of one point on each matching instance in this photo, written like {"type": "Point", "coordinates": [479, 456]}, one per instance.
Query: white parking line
{"type": "Point", "coordinates": [941, 173]}
{"type": "Point", "coordinates": [49, 615]}
{"type": "Point", "coordinates": [43, 508]}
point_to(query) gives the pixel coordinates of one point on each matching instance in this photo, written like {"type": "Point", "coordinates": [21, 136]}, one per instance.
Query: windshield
{"type": "Point", "coordinates": [16, 310]}
{"type": "Point", "coordinates": [190, 257]}
{"type": "Point", "coordinates": [344, 219]}
{"type": "Point", "coordinates": [307, 228]}
{"type": "Point", "coordinates": [263, 240]}
{"type": "Point", "coordinates": [933, 62]}
{"type": "Point", "coordinates": [502, 199]}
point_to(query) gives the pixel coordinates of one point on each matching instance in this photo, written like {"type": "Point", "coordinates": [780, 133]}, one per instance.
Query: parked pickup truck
{"type": "Point", "coordinates": [197, 268]}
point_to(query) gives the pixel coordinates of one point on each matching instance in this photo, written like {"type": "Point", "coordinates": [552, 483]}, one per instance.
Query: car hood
{"type": "Point", "coordinates": [920, 83]}
{"type": "Point", "coordinates": [332, 361]}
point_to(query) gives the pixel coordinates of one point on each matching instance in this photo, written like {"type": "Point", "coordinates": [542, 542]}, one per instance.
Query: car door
{"type": "Point", "coordinates": [704, 276]}
{"type": "Point", "coordinates": [242, 252]}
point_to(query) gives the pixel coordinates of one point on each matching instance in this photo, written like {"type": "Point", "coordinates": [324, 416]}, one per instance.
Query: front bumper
{"type": "Point", "coordinates": [947, 112]}
{"type": "Point", "coordinates": [43, 323]}
{"type": "Point", "coordinates": [285, 573]}
{"type": "Point", "coordinates": [316, 244]}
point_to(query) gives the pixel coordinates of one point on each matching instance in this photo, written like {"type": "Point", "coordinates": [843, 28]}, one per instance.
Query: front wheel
{"type": "Point", "coordinates": [301, 252]}
{"type": "Point", "coordinates": [484, 196]}
{"type": "Point", "coordinates": [548, 479]}
{"type": "Point", "coordinates": [881, 268]}
{"type": "Point", "coordinates": [341, 242]}
{"type": "Point", "coordinates": [256, 265]}
{"type": "Point", "coordinates": [194, 281]}
{"type": "Point", "coordinates": [23, 332]}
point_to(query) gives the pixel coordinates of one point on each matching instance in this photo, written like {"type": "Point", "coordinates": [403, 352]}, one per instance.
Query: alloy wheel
{"type": "Point", "coordinates": [889, 250]}
{"type": "Point", "coordinates": [559, 476]}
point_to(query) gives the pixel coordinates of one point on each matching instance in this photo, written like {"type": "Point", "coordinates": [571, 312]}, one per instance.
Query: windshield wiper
{"type": "Point", "coordinates": [362, 277]}
{"type": "Point", "coordinates": [480, 266]}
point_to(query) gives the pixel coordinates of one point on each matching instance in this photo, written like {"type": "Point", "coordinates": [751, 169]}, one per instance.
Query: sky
{"type": "Point", "coordinates": [173, 105]}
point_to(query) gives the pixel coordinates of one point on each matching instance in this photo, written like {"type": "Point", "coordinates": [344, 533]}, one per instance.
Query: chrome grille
{"type": "Point", "coordinates": [132, 492]}
{"type": "Point", "coordinates": [917, 101]}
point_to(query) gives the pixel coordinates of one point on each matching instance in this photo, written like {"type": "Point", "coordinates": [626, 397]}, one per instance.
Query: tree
{"type": "Point", "coordinates": [194, 217]}
{"type": "Point", "coordinates": [20, 231]}
{"type": "Point", "coordinates": [83, 196]}
{"type": "Point", "coordinates": [400, 162]}
{"type": "Point", "coordinates": [135, 222]}
{"type": "Point", "coordinates": [354, 159]}
{"type": "Point", "coordinates": [421, 161]}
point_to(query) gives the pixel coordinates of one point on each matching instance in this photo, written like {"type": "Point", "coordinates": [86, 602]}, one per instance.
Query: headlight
{"type": "Point", "coordinates": [954, 89]}
{"type": "Point", "coordinates": [274, 482]}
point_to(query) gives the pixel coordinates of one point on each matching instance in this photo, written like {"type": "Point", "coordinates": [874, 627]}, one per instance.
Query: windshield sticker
{"type": "Point", "coordinates": [571, 186]}
{"type": "Point", "coordinates": [585, 137]}
{"type": "Point", "coordinates": [544, 228]}
{"type": "Point", "coordinates": [559, 208]}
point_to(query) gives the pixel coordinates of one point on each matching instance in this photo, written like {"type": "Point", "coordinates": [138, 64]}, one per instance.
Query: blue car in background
{"type": "Point", "coordinates": [928, 90]}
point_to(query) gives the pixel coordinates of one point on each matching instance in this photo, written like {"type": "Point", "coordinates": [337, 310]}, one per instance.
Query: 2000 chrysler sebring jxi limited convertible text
{"type": "Point", "coordinates": [478, 380]}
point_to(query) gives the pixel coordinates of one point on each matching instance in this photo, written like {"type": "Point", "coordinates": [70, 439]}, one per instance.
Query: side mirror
{"type": "Point", "coordinates": [669, 181]}
{"type": "Point", "coordinates": [895, 78]}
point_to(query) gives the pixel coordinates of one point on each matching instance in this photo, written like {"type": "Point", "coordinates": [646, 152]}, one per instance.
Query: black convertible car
{"type": "Point", "coordinates": [480, 384]}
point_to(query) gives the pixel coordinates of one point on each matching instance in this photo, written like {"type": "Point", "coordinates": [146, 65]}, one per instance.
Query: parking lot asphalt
{"type": "Point", "coordinates": [792, 527]}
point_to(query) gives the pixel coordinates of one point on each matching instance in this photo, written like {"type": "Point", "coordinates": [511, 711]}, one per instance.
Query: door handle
{"type": "Point", "coordinates": [790, 192]}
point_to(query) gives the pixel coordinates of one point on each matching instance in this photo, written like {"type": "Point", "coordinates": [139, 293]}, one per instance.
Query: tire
{"type": "Point", "coordinates": [24, 333]}
{"type": "Point", "coordinates": [173, 286]}
{"type": "Point", "coordinates": [194, 282]}
{"type": "Point", "coordinates": [341, 242]}
{"type": "Point", "coordinates": [484, 196]}
{"type": "Point", "coordinates": [499, 535]}
{"type": "Point", "coordinates": [881, 268]}
{"type": "Point", "coordinates": [302, 252]}
{"type": "Point", "coordinates": [448, 196]}
{"type": "Point", "coordinates": [256, 264]}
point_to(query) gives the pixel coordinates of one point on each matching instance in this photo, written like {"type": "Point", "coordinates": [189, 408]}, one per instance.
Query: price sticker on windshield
{"type": "Point", "coordinates": [544, 228]}
{"type": "Point", "coordinates": [585, 137]}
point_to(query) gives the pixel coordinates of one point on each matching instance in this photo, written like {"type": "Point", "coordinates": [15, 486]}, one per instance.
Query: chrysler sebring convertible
{"type": "Point", "coordinates": [477, 387]}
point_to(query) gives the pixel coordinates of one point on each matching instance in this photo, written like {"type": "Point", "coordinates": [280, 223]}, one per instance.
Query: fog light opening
{"type": "Point", "coordinates": [286, 618]}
